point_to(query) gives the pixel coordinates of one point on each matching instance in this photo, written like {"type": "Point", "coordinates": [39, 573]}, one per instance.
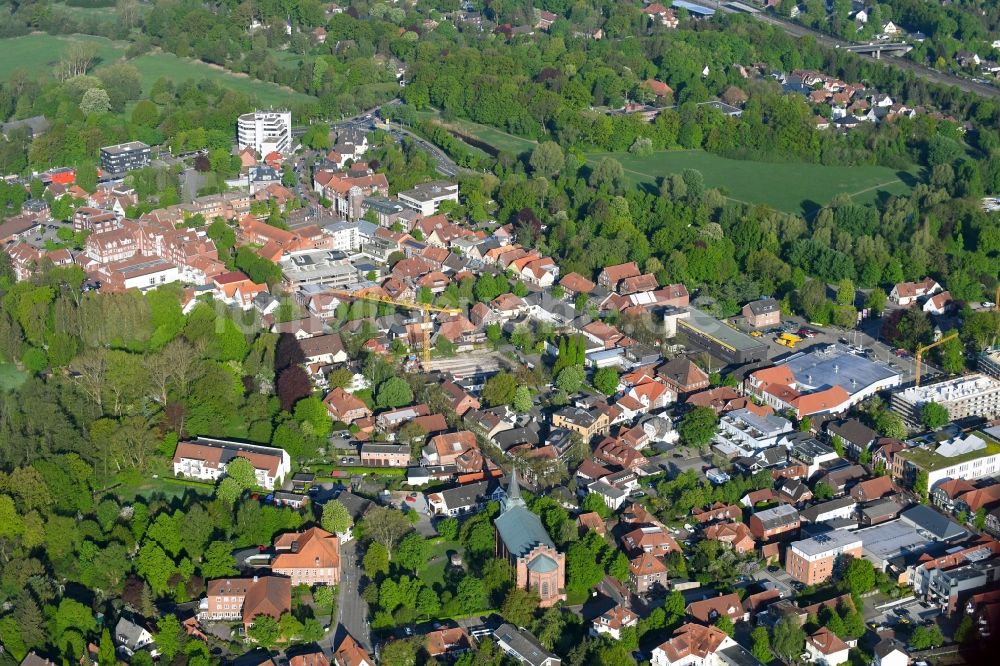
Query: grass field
{"type": "Point", "coordinates": [11, 377]}
{"type": "Point", "coordinates": [154, 65]}
{"type": "Point", "coordinates": [791, 187]}
{"type": "Point", "coordinates": [39, 53]}
{"type": "Point", "coordinates": [497, 138]}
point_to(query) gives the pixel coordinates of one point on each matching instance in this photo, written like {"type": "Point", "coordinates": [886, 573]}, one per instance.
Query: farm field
{"type": "Point", "coordinates": [40, 52]}
{"type": "Point", "coordinates": [790, 187]}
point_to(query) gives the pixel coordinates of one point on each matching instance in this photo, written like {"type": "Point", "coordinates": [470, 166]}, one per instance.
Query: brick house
{"type": "Point", "coordinates": [308, 558]}
{"type": "Point", "coordinates": [764, 313]}
{"type": "Point", "coordinates": [647, 572]}
{"type": "Point", "coordinates": [771, 524]}
{"type": "Point", "coordinates": [344, 407]}
{"type": "Point", "coordinates": [245, 599]}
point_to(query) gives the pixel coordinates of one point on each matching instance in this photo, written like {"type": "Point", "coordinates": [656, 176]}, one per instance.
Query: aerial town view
{"type": "Point", "coordinates": [497, 332]}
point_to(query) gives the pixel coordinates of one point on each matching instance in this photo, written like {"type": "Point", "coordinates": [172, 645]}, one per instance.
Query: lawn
{"type": "Point", "coordinates": [152, 66]}
{"type": "Point", "coordinates": [11, 377]}
{"type": "Point", "coordinates": [39, 53]}
{"type": "Point", "coordinates": [432, 573]}
{"type": "Point", "coordinates": [791, 187]}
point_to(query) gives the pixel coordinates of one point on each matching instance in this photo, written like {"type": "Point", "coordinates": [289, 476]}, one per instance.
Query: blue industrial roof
{"type": "Point", "coordinates": [693, 8]}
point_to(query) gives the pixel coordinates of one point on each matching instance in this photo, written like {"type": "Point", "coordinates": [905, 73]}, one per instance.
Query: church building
{"type": "Point", "coordinates": [522, 540]}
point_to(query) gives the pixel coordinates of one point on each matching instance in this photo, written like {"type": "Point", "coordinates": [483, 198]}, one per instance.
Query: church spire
{"type": "Point", "coordinates": [513, 497]}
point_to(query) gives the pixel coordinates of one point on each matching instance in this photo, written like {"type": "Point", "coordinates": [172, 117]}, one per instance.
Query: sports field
{"type": "Point", "coordinates": [792, 187]}
{"type": "Point", "coordinates": [39, 53]}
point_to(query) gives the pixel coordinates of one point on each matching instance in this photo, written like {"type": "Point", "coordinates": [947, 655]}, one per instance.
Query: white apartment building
{"type": "Point", "coordinates": [265, 131]}
{"type": "Point", "coordinates": [969, 457]}
{"type": "Point", "coordinates": [206, 459]}
{"type": "Point", "coordinates": [426, 198]}
{"type": "Point", "coordinates": [748, 433]}
{"type": "Point", "coordinates": [971, 395]}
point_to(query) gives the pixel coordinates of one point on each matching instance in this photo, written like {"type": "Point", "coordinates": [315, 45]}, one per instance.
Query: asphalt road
{"type": "Point", "coordinates": [352, 610]}
{"type": "Point", "coordinates": [922, 71]}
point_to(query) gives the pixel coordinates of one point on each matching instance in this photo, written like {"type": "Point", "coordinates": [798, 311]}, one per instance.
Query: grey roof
{"type": "Point", "coordinates": [356, 506]}
{"type": "Point", "coordinates": [376, 447]}
{"type": "Point", "coordinates": [939, 526]}
{"type": "Point", "coordinates": [853, 431]}
{"type": "Point", "coordinates": [826, 541]}
{"type": "Point", "coordinates": [35, 125]}
{"type": "Point", "coordinates": [814, 512]}
{"type": "Point", "coordinates": [835, 364]}
{"type": "Point", "coordinates": [887, 646]}
{"type": "Point", "coordinates": [524, 645]}
{"type": "Point", "coordinates": [469, 494]}
{"type": "Point", "coordinates": [508, 439]}
{"type": "Point", "coordinates": [783, 514]}
{"type": "Point", "coordinates": [763, 306]}
{"type": "Point", "coordinates": [882, 507]}
{"type": "Point", "coordinates": [737, 655]}
{"type": "Point", "coordinates": [128, 633]}
{"type": "Point", "coordinates": [890, 539]}
{"type": "Point", "coordinates": [603, 488]}
{"type": "Point", "coordinates": [542, 564]}
{"type": "Point", "coordinates": [708, 325]}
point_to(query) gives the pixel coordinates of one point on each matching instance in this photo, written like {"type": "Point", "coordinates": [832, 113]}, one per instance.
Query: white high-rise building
{"type": "Point", "coordinates": [265, 131]}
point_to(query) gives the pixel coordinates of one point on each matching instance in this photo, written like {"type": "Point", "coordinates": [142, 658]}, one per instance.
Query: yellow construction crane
{"type": "Point", "coordinates": [922, 348]}
{"type": "Point", "coordinates": [425, 308]}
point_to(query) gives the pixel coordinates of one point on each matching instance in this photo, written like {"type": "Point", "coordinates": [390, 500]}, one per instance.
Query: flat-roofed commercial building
{"type": "Point", "coordinates": [426, 198]}
{"type": "Point", "coordinates": [718, 339]}
{"type": "Point", "coordinates": [124, 157]}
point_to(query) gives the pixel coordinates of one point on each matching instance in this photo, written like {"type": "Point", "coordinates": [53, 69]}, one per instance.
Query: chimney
{"type": "Point", "coordinates": [255, 579]}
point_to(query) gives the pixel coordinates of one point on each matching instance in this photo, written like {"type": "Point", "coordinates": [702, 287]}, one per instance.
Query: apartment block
{"type": "Point", "coordinates": [811, 561]}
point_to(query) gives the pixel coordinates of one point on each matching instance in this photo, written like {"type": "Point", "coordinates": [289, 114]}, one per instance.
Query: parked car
{"type": "Point", "coordinates": [808, 333]}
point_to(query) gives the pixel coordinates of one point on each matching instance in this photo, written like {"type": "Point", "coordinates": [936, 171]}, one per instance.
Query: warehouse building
{"type": "Point", "coordinates": [715, 337]}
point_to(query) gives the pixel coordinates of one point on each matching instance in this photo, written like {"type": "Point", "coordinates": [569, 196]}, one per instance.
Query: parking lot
{"type": "Point", "coordinates": [861, 338]}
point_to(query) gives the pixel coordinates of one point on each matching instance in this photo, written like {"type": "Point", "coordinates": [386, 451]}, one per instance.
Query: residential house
{"type": "Point", "coordinates": [130, 637]}
{"type": "Point", "coordinates": [574, 284]}
{"type": "Point", "coordinates": [523, 647]}
{"type": "Point", "coordinates": [465, 499]}
{"type": "Point", "coordinates": [308, 558]}
{"type": "Point", "coordinates": [460, 401]}
{"type": "Point", "coordinates": [647, 573]}
{"type": "Point", "coordinates": [611, 276]}
{"type": "Point", "coordinates": [448, 643]}
{"type": "Point", "coordinates": [708, 611]}
{"type": "Point", "coordinates": [588, 423]}
{"type": "Point", "coordinates": [652, 539]}
{"type": "Point", "coordinates": [939, 304]}
{"type": "Point", "coordinates": [906, 294]}
{"type": "Point", "coordinates": [855, 435]}
{"type": "Point", "coordinates": [890, 652]}
{"type": "Point", "coordinates": [683, 376]}
{"type": "Point", "coordinates": [454, 448]}
{"type": "Point", "coordinates": [349, 653]}
{"type": "Point", "coordinates": [699, 645]}
{"type": "Point", "coordinates": [612, 621]}
{"type": "Point", "coordinates": [344, 407]}
{"type": "Point", "coordinates": [717, 512]}
{"type": "Point", "coordinates": [763, 313]}
{"type": "Point", "coordinates": [735, 535]}
{"type": "Point", "coordinates": [826, 649]}
{"type": "Point", "coordinates": [873, 489]}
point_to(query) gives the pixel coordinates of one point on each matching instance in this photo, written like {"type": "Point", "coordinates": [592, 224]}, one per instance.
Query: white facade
{"type": "Point", "coordinates": [660, 657]}
{"type": "Point", "coordinates": [748, 432]}
{"type": "Point", "coordinates": [345, 236]}
{"type": "Point", "coordinates": [265, 131]}
{"type": "Point", "coordinates": [206, 460]}
{"type": "Point", "coordinates": [427, 198]}
{"type": "Point", "coordinates": [971, 395]}
{"type": "Point", "coordinates": [153, 278]}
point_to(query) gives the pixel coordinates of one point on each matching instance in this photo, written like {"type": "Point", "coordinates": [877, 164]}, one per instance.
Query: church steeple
{"type": "Point", "coordinates": [513, 497]}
